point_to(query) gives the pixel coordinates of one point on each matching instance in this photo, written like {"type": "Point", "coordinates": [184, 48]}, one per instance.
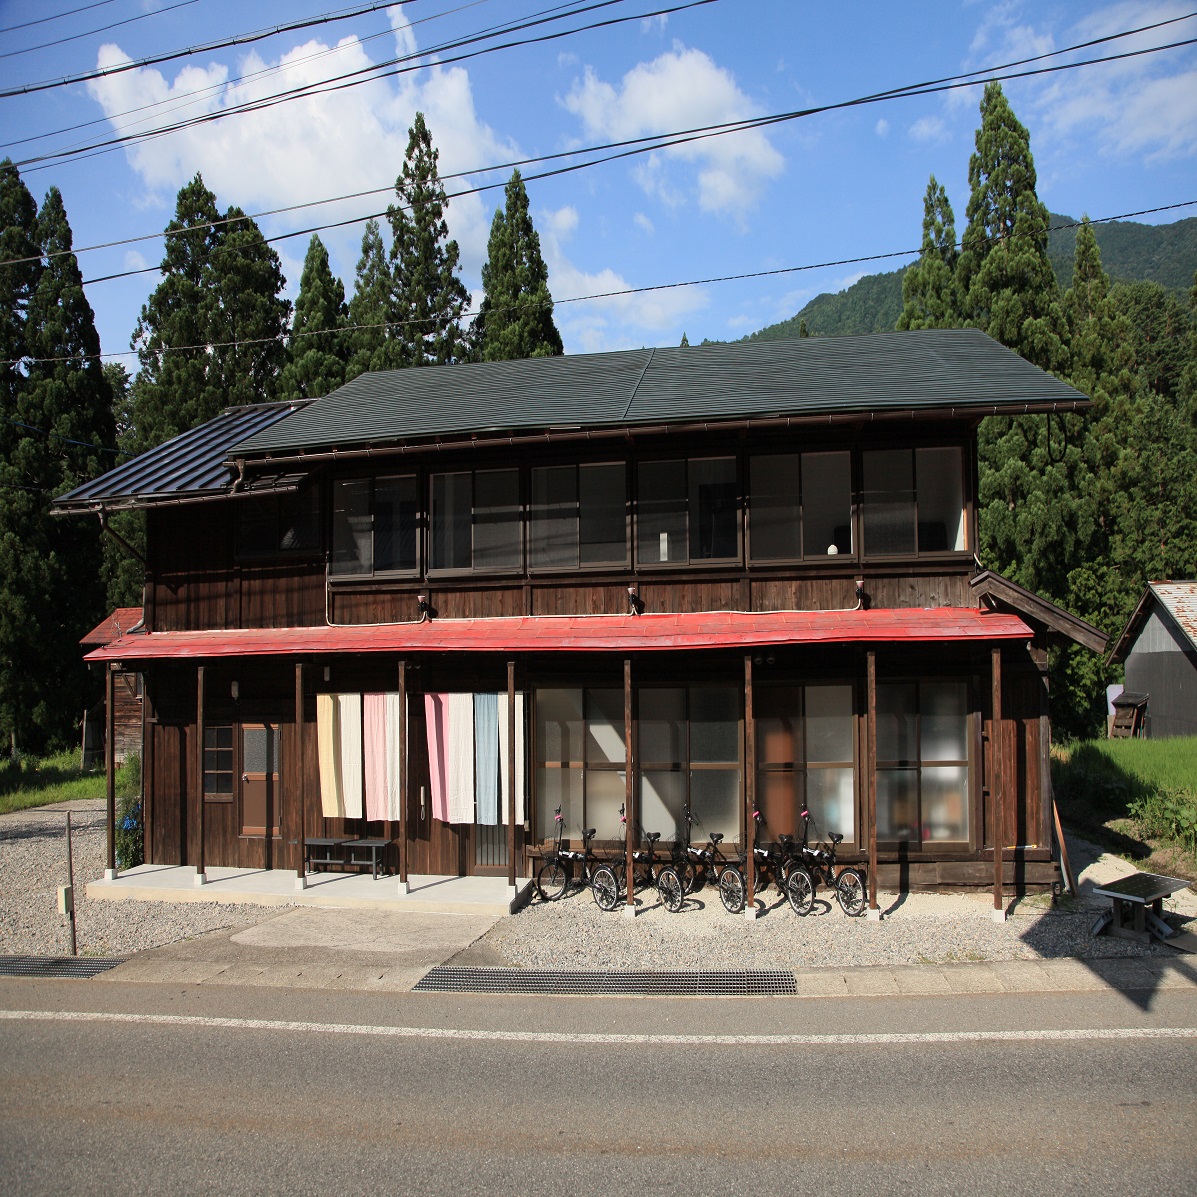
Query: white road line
{"type": "Point", "coordinates": [584, 1038]}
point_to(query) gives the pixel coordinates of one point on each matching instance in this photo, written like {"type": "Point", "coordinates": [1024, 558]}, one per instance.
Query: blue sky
{"type": "Point", "coordinates": [1107, 139]}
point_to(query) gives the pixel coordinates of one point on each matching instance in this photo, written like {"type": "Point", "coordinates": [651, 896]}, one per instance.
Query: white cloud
{"type": "Point", "coordinates": [643, 223]}
{"type": "Point", "coordinates": [655, 24]}
{"type": "Point", "coordinates": [682, 89]}
{"type": "Point", "coordinates": [928, 128]}
{"type": "Point", "coordinates": [134, 260]}
{"type": "Point", "coordinates": [881, 128]}
{"type": "Point", "coordinates": [343, 141]}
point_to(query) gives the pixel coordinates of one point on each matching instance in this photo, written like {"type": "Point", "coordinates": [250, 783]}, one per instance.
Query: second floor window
{"type": "Point", "coordinates": [476, 521]}
{"type": "Point", "coordinates": [578, 516]}
{"type": "Point", "coordinates": [800, 505]}
{"type": "Point", "coordinates": [374, 525]}
{"type": "Point", "coordinates": [913, 501]}
{"type": "Point", "coordinates": [689, 511]}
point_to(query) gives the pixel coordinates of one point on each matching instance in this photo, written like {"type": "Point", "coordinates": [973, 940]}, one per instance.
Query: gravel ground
{"type": "Point", "coordinates": [33, 864]}
{"type": "Point", "coordinates": [574, 933]}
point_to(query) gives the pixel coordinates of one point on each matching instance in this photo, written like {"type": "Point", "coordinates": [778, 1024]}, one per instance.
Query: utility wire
{"type": "Point", "coordinates": [649, 143]}
{"type": "Point", "coordinates": [59, 437]}
{"type": "Point", "coordinates": [70, 12]}
{"type": "Point", "coordinates": [240, 39]}
{"type": "Point", "coordinates": [74, 37]}
{"type": "Point", "coordinates": [695, 282]}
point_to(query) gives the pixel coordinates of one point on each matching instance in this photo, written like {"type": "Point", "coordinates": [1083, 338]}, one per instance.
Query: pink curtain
{"type": "Point", "coordinates": [436, 712]}
{"type": "Point", "coordinates": [374, 727]}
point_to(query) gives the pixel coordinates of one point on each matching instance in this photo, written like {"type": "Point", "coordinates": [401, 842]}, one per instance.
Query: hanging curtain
{"type": "Point", "coordinates": [486, 757]}
{"type": "Point", "coordinates": [394, 716]}
{"type": "Point", "coordinates": [374, 736]}
{"type": "Point", "coordinates": [349, 715]}
{"type": "Point", "coordinates": [436, 714]}
{"type": "Point", "coordinates": [504, 767]}
{"type": "Point", "coordinates": [461, 758]}
{"type": "Point", "coordinates": [328, 740]}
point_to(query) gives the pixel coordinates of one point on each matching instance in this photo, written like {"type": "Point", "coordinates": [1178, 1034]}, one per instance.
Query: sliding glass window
{"type": "Point", "coordinates": [800, 505]}
{"type": "Point", "coordinates": [375, 525]}
{"type": "Point", "coordinates": [923, 762]}
{"type": "Point", "coordinates": [476, 521]}
{"type": "Point", "coordinates": [913, 501]}
{"type": "Point", "coordinates": [688, 511]}
{"type": "Point", "coordinates": [578, 516]}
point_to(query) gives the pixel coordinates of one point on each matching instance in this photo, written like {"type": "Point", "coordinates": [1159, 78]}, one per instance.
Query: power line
{"type": "Point", "coordinates": [70, 12]}
{"type": "Point", "coordinates": [58, 436]}
{"type": "Point", "coordinates": [74, 37]}
{"type": "Point", "coordinates": [695, 282]}
{"type": "Point", "coordinates": [241, 39]}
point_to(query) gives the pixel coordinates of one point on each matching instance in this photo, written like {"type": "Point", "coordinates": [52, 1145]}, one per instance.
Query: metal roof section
{"type": "Point", "coordinates": [958, 371]}
{"type": "Point", "coordinates": [118, 623]}
{"type": "Point", "coordinates": [1178, 599]}
{"type": "Point", "coordinates": [187, 467]}
{"type": "Point", "coordinates": [583, 633]}
{"type": "Point", "coordinates": [1060, 625]}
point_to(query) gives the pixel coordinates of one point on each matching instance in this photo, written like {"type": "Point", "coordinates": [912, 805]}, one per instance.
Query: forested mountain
{"type": "Point", "coordinates": [1130, 252]}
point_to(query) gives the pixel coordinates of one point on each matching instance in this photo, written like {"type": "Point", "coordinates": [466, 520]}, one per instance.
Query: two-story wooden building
{"type": "Point", "coordinates": [677, 580]}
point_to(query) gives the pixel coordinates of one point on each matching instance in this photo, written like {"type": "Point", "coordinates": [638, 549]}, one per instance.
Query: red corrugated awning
{"type": "Point", "coordinates": [583, 633]}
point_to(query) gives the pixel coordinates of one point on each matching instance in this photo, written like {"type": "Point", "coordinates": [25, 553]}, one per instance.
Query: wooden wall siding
{"type": "Point", "coordinates": [278, 595]}
{"type": "Point", "coordinates": [126, 714]}
{"type": "Point", "coordinates": [479, 603]}
{"type": "Point", "coordinates": [678, 595]}
{"type": "Point", "coordinates": [170, 782]}
{"type": "Point", "coordinates": [963, 874]}
{"type": "Point", "coordinates": [599, 599]}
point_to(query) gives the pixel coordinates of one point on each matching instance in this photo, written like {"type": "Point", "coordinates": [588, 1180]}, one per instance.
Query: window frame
{"type": "Point", "coordinates": [212, 730]}
{"type": "Point", "coordinates": [689, 562]}
{"type": "Point", "coordinates": [340, 576]}
{"type": "Point", "coordinates": [309, 494]}
{"type": "Point", "coordinates": [521, 505]}
{"type": "Point", "coordinates": [581, 567]}
{"type": "Point", "coordinates": [967, 521]}
{"type": "Point", "coordinates": [803, 558]}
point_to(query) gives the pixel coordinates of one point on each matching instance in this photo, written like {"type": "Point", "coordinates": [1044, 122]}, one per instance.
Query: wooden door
{"type": "Point", "coordinates": [261, 794]}
{"type": "Point", "coordinates": [434, 848]}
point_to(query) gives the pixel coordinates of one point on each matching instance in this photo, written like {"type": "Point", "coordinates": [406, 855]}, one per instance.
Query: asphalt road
{"type": "Point", "coordinates": [118, 1088]}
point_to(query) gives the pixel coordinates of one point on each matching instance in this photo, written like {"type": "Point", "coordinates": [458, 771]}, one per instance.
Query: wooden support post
{"type": "Point", "coordinates": [149, 794]}
{"type": "Point", "coordinates": [997, 780]}
{"type": "Point", "coordinates": [403, 774]}
{"type": "Point", "coordinates": [301, 789]}
{"type": "Point", "coordinates": [512, 773]}
{"type": "Point", "coordinates": [628, 789]}
{"type": "Point", "coordinates": [200, 870]}
{"type": "Point", "coordinates": [871, 781]}
{"type": "Point", "coordinates": [749, 793]}
{"type": "Point", "coordinates": [110, 764]}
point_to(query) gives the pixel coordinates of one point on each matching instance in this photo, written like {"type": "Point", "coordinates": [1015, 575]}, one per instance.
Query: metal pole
{"type": "Point", "coordinates": [403, 775]}
{"type": "Point", "coordinates": [199, 768]}
{"type": "Point", "coordinates": [998, 781]}
{"type": "Point", "coordinates": [511, 774]}
{"type": "Point", "coordinates": [871, 782]}
{"type": "Point", "coordinates": [110, 766]}
{"type": "Point", "coordinates": [71, 883]}
{"type": "Point", "coordinates": [749, 793]}
{"type": "Point", "coordinates": [628, 788]}
{"type": "Point", "coordinates": [301, 775]}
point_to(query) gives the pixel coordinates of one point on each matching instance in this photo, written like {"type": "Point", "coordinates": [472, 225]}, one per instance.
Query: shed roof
{"type": "Point", "coordinates": [583, 633]}
{"type": "Point", "coordinates": [957, 371]}
{"type": "Point", "coordinates": [187, 467]}
{"type": "Point", "coordinates": [1178, 599]}
{"type": "Point", "coordinates": [119, 623]}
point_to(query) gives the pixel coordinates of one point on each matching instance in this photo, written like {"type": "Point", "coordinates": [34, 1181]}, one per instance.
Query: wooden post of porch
{"type": "Point", "coordinates": [871, 781]}
{"type": "Point", "coordinates": [628, 792]}
{"type": "Point", "coordinates": [110, 765]}
{"type": "Point", "coordinates": [512, 773]}
{"type": "Point", "coordinates": [301, 788]}
{"type": "Point", "coordinates": [997, 780]}
{"type": "Point", "coordinates": [403, 884]}
{"type": "Point", "coordinates": [749, 793]}
{"type": "Point", "coordinates": [200, 872]}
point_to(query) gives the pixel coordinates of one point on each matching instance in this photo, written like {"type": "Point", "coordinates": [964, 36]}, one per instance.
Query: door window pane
{"type": "Point", "coordinates": [889, 513]}
{"type": "Point", "coordinates": [897, 804]}
{"type": "Point", "coordinates": [663, 802]}
{"type": "Point", "coordinates": [558, 788]}
{"type": "Point", "coordinates": [662, 726]}
{"type": "Point", "coordinates": [559, 726]}
{"type": "Point", "coordinates": [826, 504]}
{"type": "Point", "coordinates": [829, 798]}
{"type": "Point", "coordinates": [715, 802]}
{"type": "Point", "coordinates": [940, 474]}
{"type": "Point", "coordinates": [451, 499]}
{"type": "Point", "coordinates": [715, 724]}
{"type": "Point", "coordinates": [553, 536]}
{"type": "Point", "coordinates": [897, 721]}
{"type": "Point", "coordinates": [395, 518]}
{"type": "Point", "coordinates": [775, 508]}
{"type": "Point", "coordinates": [945, 721]}
{"type": "Point", "coordinates": [352, 543]}
{"type": "Point", "coordinates": [714, 509]}
{"type": "Point", "coordinates": [259, 750]}
{"type": "Point", "coordinates": [778, 795]}
{"type": "Point", "coordinates": [829, 724]}
{"type": "Point", "coordinates": [605, 794]}
{"type": "Point", "coordinates": [497, 543]}
{"type": "Point", "coordinates": [602, 499]}
{"type": "Point", "coordinates": [604, 726]}
{"type": "Point", "coordinates": [662, 514]}
{"type": "Point", "coordinates": [945, 802]}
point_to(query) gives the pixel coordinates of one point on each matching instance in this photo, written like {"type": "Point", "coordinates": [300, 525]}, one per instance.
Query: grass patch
{"type": "Point", "coordinates": [1137, 798]}
{"type": "Point", "coordinates": [40, 781]}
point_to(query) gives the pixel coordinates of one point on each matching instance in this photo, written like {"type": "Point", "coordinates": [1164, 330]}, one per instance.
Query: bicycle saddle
{"type": "Point", "coordinates": [653, 836]}
{"type": "Point", "coordinates": [717, 838]}
{"type": "Point", "coordinates": [836, 837]}
{"type": "Point", "coordinates": [785, 840]}
{"type": "Point", "coordinates": [590, 833]}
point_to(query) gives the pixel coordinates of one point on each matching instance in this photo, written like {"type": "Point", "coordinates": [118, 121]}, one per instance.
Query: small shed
{"type": "Point", "coordinates": [127, 693]}
{"type": "Point", "coordinates": [1158, 648]}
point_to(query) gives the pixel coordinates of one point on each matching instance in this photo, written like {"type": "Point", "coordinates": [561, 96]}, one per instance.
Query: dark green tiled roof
{"type": "Point", "coordinates": [939, 369]}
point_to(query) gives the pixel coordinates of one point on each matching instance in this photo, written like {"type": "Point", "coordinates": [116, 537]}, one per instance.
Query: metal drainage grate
{"type": "Point", "coordinates": [55, 966]}
{"type": "Point", "coordinates": [740, 983]}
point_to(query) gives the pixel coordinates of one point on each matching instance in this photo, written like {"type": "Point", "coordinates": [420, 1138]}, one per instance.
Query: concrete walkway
{"type": "Point", "coordinates": [485, 896]}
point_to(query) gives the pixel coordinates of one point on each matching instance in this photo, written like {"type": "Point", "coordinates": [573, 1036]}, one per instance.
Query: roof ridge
{"type": "Point", "coordinates": [632, 397]}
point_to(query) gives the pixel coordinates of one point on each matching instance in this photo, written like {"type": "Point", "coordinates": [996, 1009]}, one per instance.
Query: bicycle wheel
{"type": "Point", "coordinates": [800, 890]}
{"type": "Point", "coordinates": [605, 888]}
{"type": "Point", "coordinates": [731, 890]}
{"type": "Point", "coordinates": [552, 879]}
{"type": "Point", "coordinates": [673, 893]}
{"type": "Point", "coordinates": [685, 874]}
{"type": "Point", "coordinates": [850, 891]}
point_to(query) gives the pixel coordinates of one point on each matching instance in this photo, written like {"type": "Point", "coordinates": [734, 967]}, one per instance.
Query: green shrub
{"type": "Point", "coordinates": [130, 832]}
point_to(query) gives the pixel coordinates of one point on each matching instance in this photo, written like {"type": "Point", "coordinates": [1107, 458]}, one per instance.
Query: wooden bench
{"type": "Point", "coordinates": [342, 850]}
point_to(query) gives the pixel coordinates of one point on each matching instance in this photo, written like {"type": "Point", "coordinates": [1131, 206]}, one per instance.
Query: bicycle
{"type": "Point", "coordinates": [848, 883]}
{"type": "Point", "coordinates": [668, 880]}
{"type": "Point", "coordinates": [713, 868]}
{"type": "Point", "coordinates": [556, 873]}
{"type": "Point", "coordinates": [781, 863]}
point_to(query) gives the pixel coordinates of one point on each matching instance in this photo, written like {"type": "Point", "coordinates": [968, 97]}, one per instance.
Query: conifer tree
{"type": "Point", "coordinates": [429, 297]}
{"type": "Point", "coordinates": [930, 297]}
{"type": "Point", "coordinates": [685, 341]}
{"type": "Point", "coordinates": [515, 319]}
{"type": "Point", "coordinates": [51, 569]}
{"type": "Point", "coordinates": [373, 341]}
{"type": "Point", "coordinates": [1007, 284]}
{"type": "Point", "coordinates": [211, 334]}
{"type": "Point", "coordinates": [318, 340]}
